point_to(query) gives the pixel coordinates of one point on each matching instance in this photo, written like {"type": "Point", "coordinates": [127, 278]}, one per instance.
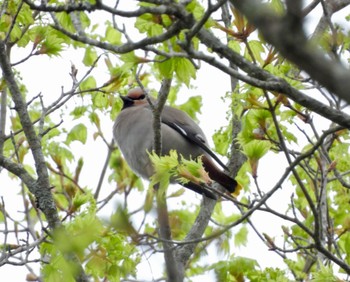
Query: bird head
{"type": "Point", "coordinates": [134, 97]}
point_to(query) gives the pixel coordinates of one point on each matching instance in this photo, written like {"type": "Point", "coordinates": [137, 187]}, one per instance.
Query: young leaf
{"type": "Point", "coordinates": [164, 169]}
{"type": "Point", "coordinates": [241, 236]}
{"type": "Point", "coordinates": [255, 150]}
{"type": "Point", "coordinates": [113, 36]}
{"type": "Point", "coordinates": [77, 133]}
{"type": "Point", "coordinates": [184, 70]}
{"type": "Point", "coordinates": [165, 67]}
{"type": "Point", "coordinates": [88, 83]}
{"type": "Point", "coordinates": [190, 170]}
{"type": "Point", "coordinates": [90, 57]}
{"type": "Point", "coordinates": [222, 140]}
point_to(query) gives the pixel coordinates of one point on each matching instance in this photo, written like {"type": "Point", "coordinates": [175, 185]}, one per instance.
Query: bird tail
{"type": "Point", "coordinates": [219, 176]}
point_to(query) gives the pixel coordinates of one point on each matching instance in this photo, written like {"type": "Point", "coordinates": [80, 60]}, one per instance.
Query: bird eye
{"type": "Point", "coordinates": [143, 96]}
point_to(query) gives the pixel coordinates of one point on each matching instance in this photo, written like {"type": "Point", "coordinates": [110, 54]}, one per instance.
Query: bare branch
{"type": "Point", "coordinates": [262, 79]}
{"type": "Point", "coordinates": [3, 110]}
{"type": "Point", "coordinates": [41, 189]}
{"type": "Point", "coordinates": [292, 43]}
{"type": "Point", "coordinates": [174, 29]}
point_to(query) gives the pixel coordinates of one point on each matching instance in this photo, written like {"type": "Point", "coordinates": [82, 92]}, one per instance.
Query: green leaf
{"type": "Point", "coordinates": [290, 137]}
{"type": "Point", "coordinates": [88, 83]}
{"type": "Point", "coordinates": [248, 125]}
{"type": "Point", "coordinates": [79, 200]}
{"type": "Point", "coordinates": [77, 133]}
{"type": "Point", "coordinates": [241, 236]}
{"type": "Point", "coordinates": [184, 70]}
{"type": "Point", "coordinates": [196, 9]}
{"type": "Point", "coordinates": [65, 21]}
{"type": "Point", "coordinates": [58, 270]}
{"type": "Point", "coordinates": [256, 149]}
{"type": "Point", "coordinates": [60, 154]}
{"type": "Point", "coordinates": [181, 223]}
{"type": "Point", "coordinates": [130, 61]}
{"type": "Point", "coordinates": [234, 268]}
{"type": "Point", "coordinates": [166, 20]}
{"type": "Point", "coordinates": [192, 106]}
{"type": "Point", "coordinates": [84, 20]}
{"type": "Point", "coordinates": [77, 236]}
{"type": "Point", "coordinates": [278, 6]}
{"type": "Point", "coordinates": [257, 50]}
{"type": "Point", "coordinates": [234, 45]}
{"type": "Point", "coordinates": [149, 200]}
{"type": "Point", "coordinates": [267, 275]}
{"type": "Point", "coordinates": [114, 258]}
{"type": "Point", "coordinates": [94, 118]}
{"type": "Point", "coordinates": [81, 232]}
{"type": "Point", "coordinates": [25, 17]}
{"type": "Point", "coordinates": [149, 24]}
{"type": "Point", "coordinates": [242, 177]}
{"type": "Point", "coordinates": [164, 168]}
{"type": "Point", "coordinates": [79, 112]}
{"type": "Point", "coordinates": [324, 273]}
{"type": "Point", "coordinates": [52, 133]}
{"type": "Point", "coordinates": [113, 36]}
{"type": "Point", "coordinates": [16, 33]}
{"type": "Point", "coordinates": [222, 140]}
{"type": "Point", "coordinates": [90, 57]}
{"type": "Point", "coordinates": [99, 100]}
{"type": "Point", "coordinates": [190, 170]}
{"type": "Point", "coordinates": [165, 66]}
{"type": "Point", "coordinates": [52, 45]}
{"type": "Point", "coordinates": [121, 222]}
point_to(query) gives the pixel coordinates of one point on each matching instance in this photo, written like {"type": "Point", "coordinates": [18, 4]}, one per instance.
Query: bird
{"type": "Point", "coordinates": [133, 134]}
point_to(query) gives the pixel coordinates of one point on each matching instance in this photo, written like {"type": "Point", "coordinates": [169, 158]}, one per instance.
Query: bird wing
{"type": "Point", "coordinates": [184, 125]}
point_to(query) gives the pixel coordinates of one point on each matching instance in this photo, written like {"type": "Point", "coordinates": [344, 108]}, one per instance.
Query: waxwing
{"type": "Point", "coordinates": [133, 133]}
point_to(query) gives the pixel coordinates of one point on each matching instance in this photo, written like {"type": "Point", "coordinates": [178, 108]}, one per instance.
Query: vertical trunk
{"type": "Point", "coordinates": [3, 106]}
{"type": "Point", "coordinates": [162, 208]}
{"type": "Point", "coordinates": [164, 232]}
{"type": "Point", "coordinates": [322, 205]}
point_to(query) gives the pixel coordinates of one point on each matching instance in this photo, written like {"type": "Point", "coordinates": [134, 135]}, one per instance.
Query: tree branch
{"type": "Point", "coordinates": [162, 208]}
{"type": "Point", "coordinates": [3, 108]}
{"type": "Point", "coordinates": [20, 172]}
{"type": "Point", "coordinates": [191, 241]}
{"type": "Point", "coordinates": [263, 79]}
{"type": "Point", "coordinates": [40, 187]}
{"type": "Point", "coordinates": [292, 43]}
{"type": "Point", "coordinates": [174, 29]}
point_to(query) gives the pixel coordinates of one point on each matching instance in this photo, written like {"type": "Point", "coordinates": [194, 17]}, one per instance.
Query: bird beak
{"type": "Point", "coordinates": [127, 102]}
{"type": "Point", "coordinates": [124, 98]}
